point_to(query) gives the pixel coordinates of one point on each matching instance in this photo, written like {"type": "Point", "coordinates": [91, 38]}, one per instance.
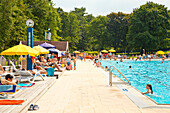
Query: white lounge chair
{"type": "Point", "coordinates": [26, 74]}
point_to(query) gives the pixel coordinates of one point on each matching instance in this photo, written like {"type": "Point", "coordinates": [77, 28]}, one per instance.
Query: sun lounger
{"type": "Point", "coordinates": [7, 89]}
{"type": "Point", "coordinates": [26, 74]}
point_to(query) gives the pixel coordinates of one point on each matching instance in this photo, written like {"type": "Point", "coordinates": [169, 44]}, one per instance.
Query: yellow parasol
{"type": "Point", "coordinates": [41, 49]}
{"type": "Point", "coordinates": [104, 51]}
{"type": "Point", "coordinates": [20, 50]}
{"type": "Point", "coordinates": [76, 52]}
{"type": "Point", "coordinates": [167, 52]}
{"type": "Point", "coordinates": [112, 50]}
{"type": "Point", "coordinates": [160, 52]}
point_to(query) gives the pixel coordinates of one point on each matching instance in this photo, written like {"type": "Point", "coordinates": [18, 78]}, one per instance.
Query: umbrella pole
{"type": "Point", "coordinates": [21, 62]}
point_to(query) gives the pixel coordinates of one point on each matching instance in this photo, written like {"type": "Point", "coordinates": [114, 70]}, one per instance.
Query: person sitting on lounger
{"type": "Point", "coordinates": [54, 64]}
{"type": "Point", "coordinates": [8, 80]}
{"type": "Point", "coordinates": [1, 69]}
{"type": "Point", "coordinates": [42, 70]}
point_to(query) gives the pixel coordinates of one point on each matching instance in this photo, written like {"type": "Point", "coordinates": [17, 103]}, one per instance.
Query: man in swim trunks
{"type": "Point", "coordinates": [8, 80]}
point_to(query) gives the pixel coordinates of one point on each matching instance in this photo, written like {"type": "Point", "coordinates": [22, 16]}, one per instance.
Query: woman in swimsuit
{"type": "Point", "coordinates": [149, 89]}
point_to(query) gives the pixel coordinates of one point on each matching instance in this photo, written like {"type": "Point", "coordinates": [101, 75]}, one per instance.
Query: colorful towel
{"type": "Point", "coordinates": [11, 102]}
{"type": "Point", "coordinates": [26, 85]}
{"type": "Point", "coordinates": [7, 88]}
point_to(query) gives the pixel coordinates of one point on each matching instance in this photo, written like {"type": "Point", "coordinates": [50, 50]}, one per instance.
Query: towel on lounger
{"type": "Point", "coordinates": [11, 102]}
{"type": "Point", "coordinates": [7, 88]}
{"type": "Point", "coordinates": [26, 85]}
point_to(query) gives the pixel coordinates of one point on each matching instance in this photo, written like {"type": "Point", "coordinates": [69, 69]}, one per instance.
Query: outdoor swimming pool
{"type": "Point", "coordinates": [155, 73]}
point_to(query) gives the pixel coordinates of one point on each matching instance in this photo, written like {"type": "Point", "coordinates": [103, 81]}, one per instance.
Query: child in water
{"type": "Point", "coordinates": [149, 89]}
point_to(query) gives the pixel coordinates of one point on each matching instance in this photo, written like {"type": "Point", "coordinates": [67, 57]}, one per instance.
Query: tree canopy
{"type": "Point", "coordinates": [148, 25]}
{"type": "Point", "coordinates": [146, 28]}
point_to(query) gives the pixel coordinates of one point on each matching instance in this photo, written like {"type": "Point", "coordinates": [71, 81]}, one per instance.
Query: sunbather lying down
{"type": "Point", "coordinates": [8, 80]}
{"type": "Point", "coordinates": [39, 65]}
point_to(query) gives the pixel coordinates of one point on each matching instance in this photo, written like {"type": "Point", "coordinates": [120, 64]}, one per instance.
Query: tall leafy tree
{"type": "Point", "coordinates": [148, 27]}
{"type": "Point", "coordinates": [70, 29]}
{"type": "Point", "coordinates": [6, 22]}
{"type": "Point", "coordinates": [168, 32]}
{"type": "Point", "coordinates": [45, 16]}
{"type": "Point", "coordinates": [80, 13]}
{"type": "Point", "coordinates": [117, 28]}
{"type": "Point", "coordinates": [53, 22]}
{"type": "Point", "coordinates": [18, 32]}
{"type": "Point", "coordinates": [98, 32]}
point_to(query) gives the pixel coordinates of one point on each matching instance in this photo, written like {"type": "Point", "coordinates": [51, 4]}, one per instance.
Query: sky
{"type": "Point", "coordinates": [104, 7]}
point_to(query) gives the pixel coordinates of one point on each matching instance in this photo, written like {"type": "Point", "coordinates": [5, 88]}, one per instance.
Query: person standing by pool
{"type": "Point", "coordinates": [100, 55]}
{"type": "Point", "coordinates": [149, 89]}
{"type": "Point", "coordinates": [68, 66]}
{"type": "Point", "coordinates": [84, 56]}
{"type": "Point", "coordinates": [81, 57]}
{"type": "Point", "coordinates": [110, 55]}
{"type": "Point", "coordinates": [121, 60]}
{"type": "Point", "coordinates": [74, 61]}
{"type": "Point", "coordinates": [68, 60]}
{"type": "Point", "coordinates": [162, 60]}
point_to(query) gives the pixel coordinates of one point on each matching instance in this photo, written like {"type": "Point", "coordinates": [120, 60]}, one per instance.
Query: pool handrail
{"type": "Point", "coordinates": [110, 79]}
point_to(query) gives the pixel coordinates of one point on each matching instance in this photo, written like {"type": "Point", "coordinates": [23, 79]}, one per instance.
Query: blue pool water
{"type": "Point", "coordinates": [146, 72]}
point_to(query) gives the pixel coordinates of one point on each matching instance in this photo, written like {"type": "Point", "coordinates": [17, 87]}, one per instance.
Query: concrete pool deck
{"type": "Point", "coordinates": [86, 90]}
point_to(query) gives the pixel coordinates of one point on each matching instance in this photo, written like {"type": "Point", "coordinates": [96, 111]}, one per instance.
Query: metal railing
{"type": "Point", "coordinates": [110, 75]}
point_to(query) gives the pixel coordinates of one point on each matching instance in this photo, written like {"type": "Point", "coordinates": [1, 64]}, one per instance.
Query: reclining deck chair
{"type": "Point", "coordinates": [7, 89]}
{"type": "Point", "coordinates": [26, 74]}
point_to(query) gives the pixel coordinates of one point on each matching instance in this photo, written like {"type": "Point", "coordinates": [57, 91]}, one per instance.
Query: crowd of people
{"type": "Point", "coordinates": [133, 57]}
{"type": "Point", "coordinates": [41, 64]}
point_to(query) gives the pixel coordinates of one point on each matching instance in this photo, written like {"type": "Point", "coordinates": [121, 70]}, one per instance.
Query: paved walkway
{"type": "Point", "coordinates": [86, 90]}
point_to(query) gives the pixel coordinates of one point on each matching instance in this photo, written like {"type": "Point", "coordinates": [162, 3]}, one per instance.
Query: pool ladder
{"type": "Point", "coordinates": [110, 75]}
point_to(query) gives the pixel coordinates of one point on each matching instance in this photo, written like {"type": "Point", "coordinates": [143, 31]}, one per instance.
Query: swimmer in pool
{"type": "Point", "coordinates": [149, 89]}
{"type": "Point", "coordinates": [130, 67]}
{"type": "Point", "coordinates": [106, 68]}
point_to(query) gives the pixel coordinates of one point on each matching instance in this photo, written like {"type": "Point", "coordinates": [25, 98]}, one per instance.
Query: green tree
{"type": "Point", "coordinates": [54, 23]}
{"type": "Point", "coordinates": [117, 28]}
{"type": "Point", "coordinates": [44, 16]}
{"type": "Point", "coordinates": [18, 31]}
{"type": "Point", "coordinates": [6, 22]}
{"type": "Point", "coordinates": [80, 13]}
{"type": "Point", "coordinates": [168, 32]}
{"type": "Point", "coordinates": [98, 33]}
{"type": "Point", "coordinates": [70, 29]}
{"type": "Point", "coordinates": [148, 27]}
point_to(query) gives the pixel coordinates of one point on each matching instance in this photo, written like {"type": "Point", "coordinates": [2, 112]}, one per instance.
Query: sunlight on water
{"type": "Point", "coordinates": [155, 73]}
